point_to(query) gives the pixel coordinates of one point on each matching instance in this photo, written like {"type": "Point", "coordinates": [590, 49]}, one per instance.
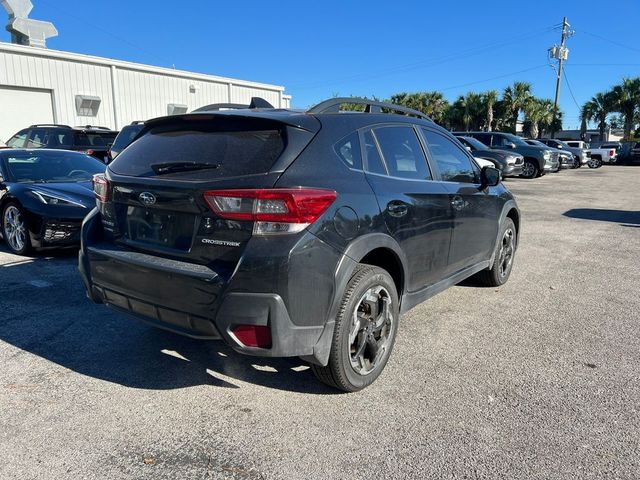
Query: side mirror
{"type": "Point", "coordinates": [510, 145]}
{"type": "Point", "coordinates": [490, 177]}
{"type": "Point", "coordinates": [468, 148]}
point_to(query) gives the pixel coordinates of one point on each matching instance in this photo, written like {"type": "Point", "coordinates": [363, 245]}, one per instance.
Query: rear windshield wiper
{"type": "Point", "coordinates": [171, 167]}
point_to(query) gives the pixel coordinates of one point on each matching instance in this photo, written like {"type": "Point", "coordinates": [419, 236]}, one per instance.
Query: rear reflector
{"type": "Point", "coordinates": [253, 335]}
{"type": "Point", "coordinates": [278, 210]}
{"type": "Point", "coordinates": [101, 188]}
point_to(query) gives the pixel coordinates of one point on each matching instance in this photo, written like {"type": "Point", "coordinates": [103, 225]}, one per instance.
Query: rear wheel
{"type": "Point", "coordinates": [499, 272]}
{"type": "Point", "coordinates": [365, 331]}
{"type": "Point", "coordinates": [594, 162]}
{"type": "Point", "coordinates": [530, 169]}
{"type": "Point", "coordinates": [14, 229]}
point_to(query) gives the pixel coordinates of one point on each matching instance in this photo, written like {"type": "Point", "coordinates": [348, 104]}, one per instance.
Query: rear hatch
{"type": "Point", "coordinates": [157, 185]}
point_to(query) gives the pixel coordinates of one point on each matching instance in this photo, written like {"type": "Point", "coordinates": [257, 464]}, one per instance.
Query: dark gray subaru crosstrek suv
{"type": "Point", "coordinates": [288, 233]}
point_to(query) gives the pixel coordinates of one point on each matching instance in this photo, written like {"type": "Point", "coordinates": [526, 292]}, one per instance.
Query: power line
{"type": "Point", "coordinates": [423, 63]}
{"type": "Point", "coordinates": [613, 42]}
{"type": "Point", "coordinates": [495, 78]}
{"type": "Point", "coordinates": [95, 26]}
{"type": "Point", "coordinates": [564, 73]}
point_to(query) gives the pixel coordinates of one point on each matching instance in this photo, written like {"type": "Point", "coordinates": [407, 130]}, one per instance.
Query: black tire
{"type": "Point", "coordinates": [26, 243]}
{"type": "Point", "coordinates": [530, 169]}
{"type": "Point", "coordinates": [595, 163]}
{"type": "Point", "coordinates": [498, 275]}
{"type": "Point", "coordinates": [576, 162]}
{"type": "Point", "coordinates": [339, 372]}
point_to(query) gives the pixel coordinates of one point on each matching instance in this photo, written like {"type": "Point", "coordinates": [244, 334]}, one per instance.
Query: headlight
{"type": "Point", "coordinates": [50, 199]}
{"type": "Point", "coordinates": [546, 155]}
{"type": "Point", "coordinates": [511, 159]}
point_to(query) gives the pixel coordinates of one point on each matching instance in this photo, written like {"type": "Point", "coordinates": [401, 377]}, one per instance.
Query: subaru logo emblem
{"type": "Point", "coordinates": [147, 198]}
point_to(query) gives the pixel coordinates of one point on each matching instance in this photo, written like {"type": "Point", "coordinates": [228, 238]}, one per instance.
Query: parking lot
{"type": "Point", "coordinates": [537, 379]}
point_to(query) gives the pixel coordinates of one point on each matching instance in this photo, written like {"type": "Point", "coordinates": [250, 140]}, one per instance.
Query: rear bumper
{"type": "Point", "coordinates": [195, 301]}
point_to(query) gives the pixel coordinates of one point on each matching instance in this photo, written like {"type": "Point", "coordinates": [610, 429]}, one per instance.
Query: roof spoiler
{"type": "Point", "coordinates": [256, 102]}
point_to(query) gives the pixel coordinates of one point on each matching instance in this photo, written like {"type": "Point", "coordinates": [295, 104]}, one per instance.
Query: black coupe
{"type": "Point", "coordinates": [44, 196]}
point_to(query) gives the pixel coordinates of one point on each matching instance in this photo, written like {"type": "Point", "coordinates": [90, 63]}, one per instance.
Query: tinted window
{"type": "Point", "coordinates": [18, 140]}
{"type": "Point", "coordinates": [37, 138]}
{"type": "Point", "coordinates": [348, 149]}
{"type": "Point", "coordinates": [126, 136]}
{"type": "Point", "coordinates": [402, 152]}
{"type": "Point", "coordinates": [234, 147]}
{"type": "Point", "coordinates": [50, 166]}
{"type": "Point", "coordinates": [483, 137]}
{"type": "Point", "coordinates": [374, 161]}
{"type": "Point", "coordinates": [60, 138]}
{"type": "Point", "coordinates": [501, 141]}
{"type": "Point", "coordinates": [93, 139]}
{"type": "Point", "coordinates": [454, 164]}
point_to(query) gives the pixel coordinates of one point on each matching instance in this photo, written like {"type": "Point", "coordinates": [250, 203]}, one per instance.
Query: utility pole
{"type": "Point", "coordinates": [560, 53]}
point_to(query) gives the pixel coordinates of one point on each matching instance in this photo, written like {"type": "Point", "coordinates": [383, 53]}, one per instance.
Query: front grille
{"type": "Point", "coordinates": [61, 231]}
{"type": "Point", "coordinates": [587, 154]}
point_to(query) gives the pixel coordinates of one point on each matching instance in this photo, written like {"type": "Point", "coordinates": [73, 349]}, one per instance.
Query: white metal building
{"type": "Point", "coordinates": [38, 85]}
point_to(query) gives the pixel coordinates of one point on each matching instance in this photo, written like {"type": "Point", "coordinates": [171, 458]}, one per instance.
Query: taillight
{"type": "Point", "coordinates": [89, 152]}
{"type": "Point", "coordinates": [101, 188]}
{"type": "Point", "coordinates": [612, 152]}
{"type": "Point", "coordinates": [253, 335]}
{"type": "Point", "coordinates": [278, 210]}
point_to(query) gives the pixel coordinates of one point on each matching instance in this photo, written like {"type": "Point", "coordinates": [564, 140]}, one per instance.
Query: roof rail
{"type": "Point", "coordinates": [93, 127]}
{"type": "Point", "coordinates": [256, 102]}
{"type": "Point", "coordinates": [370, 106]}
{"type": "Point", "coordinates": [49, 125]}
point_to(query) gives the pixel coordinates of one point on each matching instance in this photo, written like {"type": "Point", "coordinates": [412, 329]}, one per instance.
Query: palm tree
{"type": "Point", "coordinates": [430, 103]}
{"type": "Point", "coordinates": [516, 98]}
{"type": "Point", "coordinates": [626, 99]}
{"type": "Point", "coordinates": [490, 99]}
{"type": "Point", "coordinates": [467, 112]}
{"type": "Point", "coordinates": [538, 113]}
{"type": "Point", "coordinates": [597, 109]}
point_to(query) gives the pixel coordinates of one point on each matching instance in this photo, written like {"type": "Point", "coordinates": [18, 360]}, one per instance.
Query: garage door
{"type": "Point", "coordinates": [20, 108]}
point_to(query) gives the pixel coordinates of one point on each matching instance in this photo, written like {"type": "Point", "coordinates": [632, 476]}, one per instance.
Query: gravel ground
{"type": "Point", "coordinates": [538, 379]}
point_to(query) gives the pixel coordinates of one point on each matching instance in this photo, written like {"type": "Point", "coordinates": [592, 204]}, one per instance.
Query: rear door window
{"type": "Point", "coordinates": [374, 163]}
{"type": "Point", "coordinates": [37, 138]}
{"type": "Point", "coordinates": [224, 148]}
{"type": "Point", "coordinates": [402, 152]}
{"type": "Point", "coordinates": [453, 163]}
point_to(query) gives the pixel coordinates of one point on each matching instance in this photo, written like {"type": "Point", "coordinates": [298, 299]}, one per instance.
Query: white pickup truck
{"type": "Point", "coordinates": [599, 156]}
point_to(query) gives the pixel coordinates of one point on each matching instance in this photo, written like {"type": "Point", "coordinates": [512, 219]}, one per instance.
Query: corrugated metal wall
{"type": "Point", "coordinates": [141, 92]}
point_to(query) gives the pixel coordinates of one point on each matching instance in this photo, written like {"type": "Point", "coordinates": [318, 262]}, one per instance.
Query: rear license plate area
{"type": "Point", "coordinates": [160, 228]}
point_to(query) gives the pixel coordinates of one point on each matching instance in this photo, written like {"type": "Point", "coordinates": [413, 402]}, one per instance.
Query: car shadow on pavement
{"type": "Point", "coordinates": [626, 218]}
{"type": "Point", "coordinates": [44, 311]}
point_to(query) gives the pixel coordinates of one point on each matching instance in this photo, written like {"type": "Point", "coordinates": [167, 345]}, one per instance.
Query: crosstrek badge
{"type": "Point", "coordinates": [224, 243]}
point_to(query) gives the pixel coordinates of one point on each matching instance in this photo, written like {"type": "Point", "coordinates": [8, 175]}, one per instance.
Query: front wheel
{"type": "Point", "coordinates": [364, 332]}
{"type": "Point", "coordinates": [530, 169]}
{"type": "Point", "coordinates": [499, 272]}
{"type": "Point", "coordinates": [14, 229]}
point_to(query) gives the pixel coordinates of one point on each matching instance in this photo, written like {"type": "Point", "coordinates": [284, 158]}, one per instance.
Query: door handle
{"type": "Point", "coordinates": [458, 202]}
{"type": "Point", "coordinates": [397, 209]}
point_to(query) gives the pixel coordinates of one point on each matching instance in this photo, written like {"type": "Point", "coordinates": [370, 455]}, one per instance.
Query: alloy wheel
{"type": "Point", "coordinates": [14, 228]}
{"type": "Point", "coordinates": [528, 170]}
{"type": "Point", "coordinates": [371, 330]}
{"type": "Point", "coordinates": [505, 256]}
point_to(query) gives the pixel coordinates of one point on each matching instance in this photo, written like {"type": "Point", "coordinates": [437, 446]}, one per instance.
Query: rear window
{"type": "Point", "coordinates": [233, 148]}
{"type": "Point", "coordinates": [93, 140]}
{"type": "Point", "coordinates": [126, 136]}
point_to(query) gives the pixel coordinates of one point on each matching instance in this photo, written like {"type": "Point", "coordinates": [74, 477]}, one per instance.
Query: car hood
{"type": "Point", "coordinates": [80, 191]}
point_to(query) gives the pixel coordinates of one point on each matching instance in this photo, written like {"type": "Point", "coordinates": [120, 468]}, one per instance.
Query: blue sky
{"type": "Point", "coordinates": [318, 49]}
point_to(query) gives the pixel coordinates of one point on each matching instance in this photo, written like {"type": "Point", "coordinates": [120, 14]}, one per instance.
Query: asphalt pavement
{"type": "Point", "coordinates": [538, 379]}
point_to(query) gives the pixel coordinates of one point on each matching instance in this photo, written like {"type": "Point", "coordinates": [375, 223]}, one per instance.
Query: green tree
{"type": "Point", "coordinates": [538, 115]}
{"type": "Point", "coordinates": [432, 104]}
{"type": "Point", "coordinates": [516, 98]}
{"type": "Point", "coordinates": [597, 109]}
{"type": "Point", "coordinates": [467, 112]}
{"type": "Point", "coordinates": [490, 98]}
{"type": "Point", "coordinates": [626, 100]}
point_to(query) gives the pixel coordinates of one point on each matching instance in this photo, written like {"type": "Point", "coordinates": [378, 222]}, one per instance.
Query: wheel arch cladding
{"type": "Point", "coordinates": [387, 259]}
